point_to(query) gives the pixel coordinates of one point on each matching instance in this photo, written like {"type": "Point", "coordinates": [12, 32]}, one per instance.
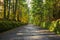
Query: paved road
{"type": "Point", "coordinates": [28, 32]}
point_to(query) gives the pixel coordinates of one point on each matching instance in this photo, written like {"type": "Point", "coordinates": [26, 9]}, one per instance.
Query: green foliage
{"type": "Point", "coordinates": [7, 25]}
{"type": "Point", "coordinates": [46, 14]}
{"type": "Point", "coordinates": [23, 11]}
{"type": "Point", "coordinates": [57, 28]}
{"type": "Point", "coordinates": [15, 10]}
{"type": "Point", "coordinates": [56, 9]}
{"type": "Point", "coordinates": [36, 11]}
{"type": "Point", "coordinates": [53, 25]}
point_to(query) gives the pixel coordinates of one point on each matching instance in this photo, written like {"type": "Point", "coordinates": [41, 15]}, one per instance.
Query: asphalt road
{"type": "Point", "coordinates": [29, 32]}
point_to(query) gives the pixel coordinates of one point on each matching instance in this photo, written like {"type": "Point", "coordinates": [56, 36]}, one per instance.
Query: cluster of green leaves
{"type": "Point", "coordinates": [36, 11]}
{"type": "Point", "coordinates": [55, 26]}
{"type": "Point", "coordinates": [24, 10]}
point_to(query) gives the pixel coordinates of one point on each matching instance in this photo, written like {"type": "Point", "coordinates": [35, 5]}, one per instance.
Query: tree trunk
{"type": "Point", "coordinates": [9, 1]}
{"type": "Point", "coordinates": [15, 8]}
{"type": "Point", "coordinates": [4, 9]}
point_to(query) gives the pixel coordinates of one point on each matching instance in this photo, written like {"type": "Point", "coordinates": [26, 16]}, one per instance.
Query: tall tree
{"type": "Point", "coordinates": [16, 4]}
{"type": "Point", "coordinates": [5, 9]}
{"type": "Point", "coordinates": [9, 3]}
{"type": "Point", "coordinates": [13, 9]}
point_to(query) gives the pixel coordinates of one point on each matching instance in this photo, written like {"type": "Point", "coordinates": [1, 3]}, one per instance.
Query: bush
{"type": "Point", "coordinates": [47, 24]}
{"type": "Point", "coordinates": [52, 25]}
{"type": "Point", "coordinates": [7, 25]}
{"type": "Point", "coordinates": [55, 26]}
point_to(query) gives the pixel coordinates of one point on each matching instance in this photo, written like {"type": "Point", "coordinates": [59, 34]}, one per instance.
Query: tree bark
{"type": "Point", "coordinates": [9, 1]}
{"type": "Point", "coordinates": [4, 9]}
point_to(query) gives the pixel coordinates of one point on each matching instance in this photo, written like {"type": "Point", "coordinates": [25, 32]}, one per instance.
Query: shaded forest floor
{"type": "Point", "coordinates": [29, 32]}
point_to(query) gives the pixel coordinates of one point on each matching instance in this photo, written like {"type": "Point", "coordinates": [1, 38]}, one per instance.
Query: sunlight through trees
{"type": "Point", "coordinates": [43, 13]}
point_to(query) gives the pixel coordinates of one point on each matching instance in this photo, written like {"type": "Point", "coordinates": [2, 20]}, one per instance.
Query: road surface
{"type": "Point", "coordinates": [28, 32]}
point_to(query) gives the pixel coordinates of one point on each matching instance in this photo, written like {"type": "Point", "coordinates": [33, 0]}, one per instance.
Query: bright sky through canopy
{"type": "Point", "coordinates": [28, 2]}
{"type": "Point", "coordinates": [44, 1]}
